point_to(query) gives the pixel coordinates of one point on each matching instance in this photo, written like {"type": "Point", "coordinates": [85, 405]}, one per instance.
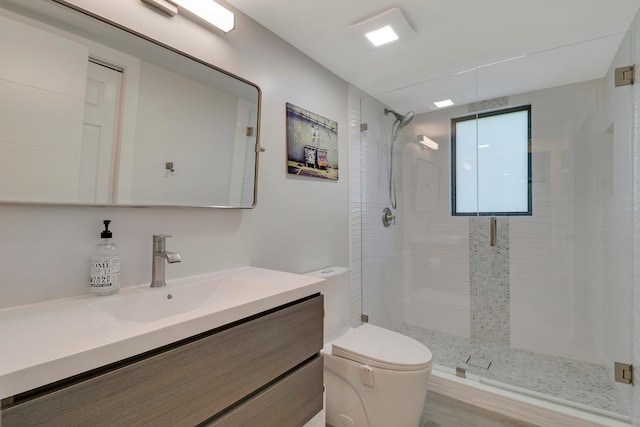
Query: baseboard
{"type": "Point", "coordinates": [524, 408]}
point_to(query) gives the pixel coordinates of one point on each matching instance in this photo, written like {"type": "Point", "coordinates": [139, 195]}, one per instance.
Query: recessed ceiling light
{"type": "Point", "coordinates": [390, 25]}
{"type": "Point", "coordinates": [382, 36]}
{"type": "Point", "coordinates": [445, 103]}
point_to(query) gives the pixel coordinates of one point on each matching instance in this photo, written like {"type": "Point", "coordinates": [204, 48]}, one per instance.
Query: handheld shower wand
{"type": "Point", "coordinates": [400, 122]}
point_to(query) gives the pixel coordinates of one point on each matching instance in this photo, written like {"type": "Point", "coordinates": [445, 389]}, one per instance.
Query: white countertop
{"type": "Point", "coordinates": [46, 342]}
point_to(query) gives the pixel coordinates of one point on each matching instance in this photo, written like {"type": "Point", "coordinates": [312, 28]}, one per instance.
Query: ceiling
{"type": "Point", "coordinates": [465, 50]}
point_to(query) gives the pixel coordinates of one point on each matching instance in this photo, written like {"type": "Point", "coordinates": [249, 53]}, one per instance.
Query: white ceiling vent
{"type": "Point", "coordinates": [392, 18]}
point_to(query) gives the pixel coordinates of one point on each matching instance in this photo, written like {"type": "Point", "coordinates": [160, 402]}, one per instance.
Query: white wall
{"type": "Point", "coordinates": [299, 225]}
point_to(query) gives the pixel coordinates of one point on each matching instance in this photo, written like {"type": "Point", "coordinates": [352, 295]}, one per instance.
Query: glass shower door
{"type": "Point", "coordinates": [546, 310]}
{"type": "Point", "coordinates": [553, 297]}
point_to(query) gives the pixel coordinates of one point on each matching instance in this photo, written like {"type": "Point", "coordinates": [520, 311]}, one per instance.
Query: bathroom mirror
{"type": "Point", "coordinates": [94, 114]}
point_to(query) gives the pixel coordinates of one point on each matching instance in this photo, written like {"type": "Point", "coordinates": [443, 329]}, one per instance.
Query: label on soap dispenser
{"type": "Point", "coordinates": [105, 273]}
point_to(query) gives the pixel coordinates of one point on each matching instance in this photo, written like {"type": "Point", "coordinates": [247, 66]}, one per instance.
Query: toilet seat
{"type": "Point", "coordinates": [382, 348]}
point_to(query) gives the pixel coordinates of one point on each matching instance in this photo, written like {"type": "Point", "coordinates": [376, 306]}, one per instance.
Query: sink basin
{"type": "Point", "coordinates": [150, 304]}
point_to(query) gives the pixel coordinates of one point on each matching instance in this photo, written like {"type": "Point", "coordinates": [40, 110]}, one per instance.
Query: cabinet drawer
{"type": "Point", "coordinates": [290, 402]}
{"type": "Point", "coordinates": [186, 385]}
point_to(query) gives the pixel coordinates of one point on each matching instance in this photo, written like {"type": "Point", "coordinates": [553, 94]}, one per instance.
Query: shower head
{"type": "Point", "coordinates": [403, 120]}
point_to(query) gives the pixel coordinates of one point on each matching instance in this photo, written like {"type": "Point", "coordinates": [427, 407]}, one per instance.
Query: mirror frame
{"type": "Point", "coordinates": [31, 12]}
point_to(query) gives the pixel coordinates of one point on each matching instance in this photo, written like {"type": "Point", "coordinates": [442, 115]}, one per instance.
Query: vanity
{"type": "Point", "coordinates": [237, 347]}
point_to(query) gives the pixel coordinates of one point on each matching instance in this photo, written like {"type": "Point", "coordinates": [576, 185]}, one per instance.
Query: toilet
{"type": "Point", "coordinates": [373, 377]}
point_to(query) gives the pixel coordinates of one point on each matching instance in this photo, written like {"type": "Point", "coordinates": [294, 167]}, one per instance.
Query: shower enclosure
{"type": "Point", "coordinates": [538, 304]}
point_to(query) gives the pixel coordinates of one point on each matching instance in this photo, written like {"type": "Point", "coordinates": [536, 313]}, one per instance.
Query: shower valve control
{"type": "Point", "coordinates": [388, 217]}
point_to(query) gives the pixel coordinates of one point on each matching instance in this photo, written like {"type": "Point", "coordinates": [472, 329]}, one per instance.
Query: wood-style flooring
{"type": "Point", "coordinates": [442, 411]}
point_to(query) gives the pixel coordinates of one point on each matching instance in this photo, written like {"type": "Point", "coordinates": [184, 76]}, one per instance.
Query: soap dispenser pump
{"type": "Point", "coordinates": [105, 264]}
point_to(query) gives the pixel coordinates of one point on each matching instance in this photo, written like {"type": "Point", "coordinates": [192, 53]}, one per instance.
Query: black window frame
{"type": "Point", "coordinates": [477, 116]}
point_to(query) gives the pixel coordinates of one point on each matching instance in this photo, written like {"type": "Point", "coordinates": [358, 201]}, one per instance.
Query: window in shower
{"type": "Point", "coordinates": [491, 163]}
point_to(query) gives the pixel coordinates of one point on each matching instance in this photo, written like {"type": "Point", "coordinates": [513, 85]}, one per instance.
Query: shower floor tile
{"type": "Point", "coordinates": [584, 384]}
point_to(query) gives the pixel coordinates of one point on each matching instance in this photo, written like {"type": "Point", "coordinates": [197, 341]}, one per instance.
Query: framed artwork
{"type": "Point", "coordinates": [312, 144]}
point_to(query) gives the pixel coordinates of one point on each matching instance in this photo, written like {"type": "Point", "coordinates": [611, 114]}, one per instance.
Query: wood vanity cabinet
{"type": "Point", "coordinates": [265, 370]}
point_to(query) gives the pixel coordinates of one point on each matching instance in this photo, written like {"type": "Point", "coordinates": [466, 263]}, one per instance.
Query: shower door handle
{"type": "Point", "coordinates": [494, 230]}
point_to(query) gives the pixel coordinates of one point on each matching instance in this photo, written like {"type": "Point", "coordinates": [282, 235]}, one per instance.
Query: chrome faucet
{"type": "Point", "coordinates": [158, 259]}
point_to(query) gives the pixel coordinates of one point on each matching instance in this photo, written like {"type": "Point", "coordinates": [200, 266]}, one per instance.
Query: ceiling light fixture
{"type": "Point", "coordinates": [208, 12]}
{"type": "Point", "coordinates": [427, 142]}
{"type": "Point", "coordinates": [382, 36]}
{"type": "Point", "coordinates": [444, 103]}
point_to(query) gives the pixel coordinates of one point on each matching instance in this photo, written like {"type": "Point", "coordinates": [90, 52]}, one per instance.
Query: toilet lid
{"type": "Point", "coordinates": [382, 348]}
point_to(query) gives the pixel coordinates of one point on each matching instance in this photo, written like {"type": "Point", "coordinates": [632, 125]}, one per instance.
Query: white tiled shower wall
{"type": "Point", "coordinates": [377, 252]}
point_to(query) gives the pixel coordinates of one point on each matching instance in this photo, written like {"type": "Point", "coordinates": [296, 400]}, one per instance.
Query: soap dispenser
{"type": "Point", "coordinates": [105, 265]}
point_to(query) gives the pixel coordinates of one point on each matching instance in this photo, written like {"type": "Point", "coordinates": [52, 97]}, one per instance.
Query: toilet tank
{"type": "Point", "coordinates": [337, 301]}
